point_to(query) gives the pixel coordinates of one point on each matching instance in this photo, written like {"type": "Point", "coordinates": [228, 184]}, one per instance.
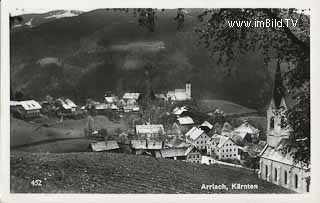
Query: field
{"type": "Point", "coordinates": [229, 108]}
{"type": "Point", "coordinates": [123, 173]}
{"type": "Point", "coordinates": [67, 136]}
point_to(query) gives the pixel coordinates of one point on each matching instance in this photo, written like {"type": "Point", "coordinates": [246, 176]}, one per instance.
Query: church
{"type": "Point", "coordinates": [277, 166]}
{"type": "Point", "coordinates": [180, 94]}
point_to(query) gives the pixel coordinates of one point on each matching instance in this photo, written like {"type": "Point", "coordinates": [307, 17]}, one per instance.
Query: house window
{"type": "Point", "coordinates": [266, 171]}
{"type": "Point", "coordinates": [223, 150]}
{"type": "Point", "coordinates": [285, 177]}
{"type": "Point", "coordinates": [296, 181]}
{"type": "Point", "coordinates": [222, 156]}
{"type": "Point", "coordinates": [234, 149]}
{"type": "Point", "coordinates": [234, 155]}
{"type": "Point", "coordinates": [275, 174]}
{"type": "Point", "coordinates": [226, 150]}
{"type": "Point", "coordinates": [272, 122]}
{"type": "Point", "coordinates": [226, 144]}
{"type": "Point", "coordinates": [197, 142]}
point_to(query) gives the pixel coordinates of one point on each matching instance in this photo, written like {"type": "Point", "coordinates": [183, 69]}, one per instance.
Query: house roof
{"type": "Point", "coordinates": [179, 110]}
{"type": "Point", "coordinates": [101, 106]}
{"type": "Point", "coordinates": [150, 129]}
{"type": "Point", "coordinates": [207, 124]}
{"type": "Point", "coordinates": [110, 99]}
{"type": "Point", "coordinates": [247, 128]}
{"type": "Point", "coordinates": [175, 152]}
{"type": "Point", "coordinates": [194, 133]}
{"type": "Point", "coordinates": [27, 105]}
{"type": "Point", "coordinates": [104, 145]}
{"type": "Point", "coordinates": [185, 120]}
{"type": "Point", "coordinates": [67, 103]}
{"type": "Point", "coordinates": [218, 140]}
{"type": "Point", "coordinates": [131, 96]}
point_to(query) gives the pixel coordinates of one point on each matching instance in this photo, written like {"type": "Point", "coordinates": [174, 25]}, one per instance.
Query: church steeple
{"type": "Point", "coordinates": [278, 87]}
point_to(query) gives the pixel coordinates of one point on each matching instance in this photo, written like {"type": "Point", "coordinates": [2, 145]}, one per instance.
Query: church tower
{"type": "Point", "coordinates": [276, 130]}
{"type": "Point", "coordinates": [188, 90]}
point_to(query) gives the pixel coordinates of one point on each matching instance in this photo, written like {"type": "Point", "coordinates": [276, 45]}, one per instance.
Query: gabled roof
{"type": "Point", "coordinates": [207, 124]}
{"type": "Point", "coordinates": [185, 120]}
{"type": "Point", "coordinates": [27, 105]}
{"type": "Point", "coordinates": [110, 99]}
{"type": "Point", "coordinates": [194, 133]}
{"type": "Point", "coordinates": [150, 129]}
{"type": "Point", "coordinates": [175, 152]}
{"type": "Point", "coordinates": [218, 140]}
{"type": "Point", "coordinates": [131, 96]}
{"type": "Point", "coordinates": [179, 110]}
{"type": "Point", "coordinates": [104, 145]}
{"type": "Point", "coordinates": [67, 103]}
{"type": "Point", "coordinates": [244, 129]}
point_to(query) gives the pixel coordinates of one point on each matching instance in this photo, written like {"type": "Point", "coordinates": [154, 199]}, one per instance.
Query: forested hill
{"type": "Point", "coordinates": [90, 53]}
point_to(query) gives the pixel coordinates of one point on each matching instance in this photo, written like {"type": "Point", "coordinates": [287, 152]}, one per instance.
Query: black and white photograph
{"type": "Point", "coordinates": [159, 100]}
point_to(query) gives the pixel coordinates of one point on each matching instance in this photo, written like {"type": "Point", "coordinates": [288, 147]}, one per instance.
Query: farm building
{"type": "Point", "coordinates": [148, 147]}
{"type": "Point", "coordinates": [110, 99]}
{"type": "Point", "coordinates": [222, 147]}
{"type": "Point", "coordinates": [180, 94]}
{"type": "Point", "coordinates": [189, 154]}
{"type": "Point", "coordinates": [109, 145]}
{"type": "Point", "coordinates": [150, 130]}
{"type": "Point", "coordinates": [246, 132]}
{"type": "Point", "coordinates": [187, 120]}
{"type": "Point", "coordinates": [131, 98]}
{"type": "Point", "coordinates": [197, 137]}
{"type": "Point", "coordinates": [67, 107]}
{"type": "Point", "coordinates": [179, 110]}
{"type": "Point", "coordinates": [25, 109]}
{"type": "Point", "coordinates": [276, 165]}
{"type": "Point", "coordinates": [131, 108]}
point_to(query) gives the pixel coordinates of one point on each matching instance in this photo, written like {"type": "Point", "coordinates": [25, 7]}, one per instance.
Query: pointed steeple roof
{"type": "Point", "coordinates": [278, 88]}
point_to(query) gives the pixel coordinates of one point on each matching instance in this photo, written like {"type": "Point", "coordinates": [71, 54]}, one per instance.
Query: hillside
{"type": "Point", "coordinates": [94, 52]}
{"type": "Point", "coordinates": [121, 173]}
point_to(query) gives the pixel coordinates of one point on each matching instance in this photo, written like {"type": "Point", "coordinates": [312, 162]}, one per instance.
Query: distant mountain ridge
{"type": "Point", "coordinates": [103, 50]}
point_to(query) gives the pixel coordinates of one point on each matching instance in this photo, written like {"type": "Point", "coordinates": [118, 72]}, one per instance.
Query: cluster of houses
{"type": "Point", "coordinates": [31, 109]}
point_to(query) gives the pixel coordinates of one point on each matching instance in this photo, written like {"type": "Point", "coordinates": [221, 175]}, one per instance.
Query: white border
{"type": "Point", "coordinates": [315, 101]}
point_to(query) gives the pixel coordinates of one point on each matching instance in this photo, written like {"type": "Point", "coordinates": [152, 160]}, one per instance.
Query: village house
{"type": "Point", "coordinates": [222, 147]}
{"type": "Point", "coordinates": [25, 109]}
{"type": "Point", "coordinates": [180, 94]}
{"type": "Point", "coordinates": [66, 107]}
{"type": "Point", "coordinates": [206, 126]}
{"type": "Point", "coordinates": [197, 138]}
{"type": "Point", "coordinates": [111, 99]}
{"type": "Point", "coordinates": [188, 154]}
{"type": "Point", "coordinates": [276, 165]}
{"type": "Point", "coordinates": [109, 145]}
{"type": "Point", "coordinates": [246, 132]}
{"type": "Point", "coordinates": [149, 130]}
{"type": "Point", "coordinates": [131, 98]}
{"type": "Point", "coordinates": [148, 147]}
{"type": "Point", "coordinates": [187, 120]}
{"type": "Point", "coordinates": [179, 110]}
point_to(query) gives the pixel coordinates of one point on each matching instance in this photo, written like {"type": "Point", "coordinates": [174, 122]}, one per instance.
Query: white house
{"type": "Point", "coordinates": [197, 137]}
{"type": "Point", "coordinates": [276, 165]}
{"type": "Point", "coordinates": [246, 131]}
{"type": "Point", "coordinates": [180, 94]}
{"type": "Point", "coordinates": [222, 147]}
{"type": "Point", "coordinates": [26, 109]}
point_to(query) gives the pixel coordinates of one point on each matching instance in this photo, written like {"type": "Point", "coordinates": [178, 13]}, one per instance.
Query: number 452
{"type": "Point", "coordinates": [36, 183]}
